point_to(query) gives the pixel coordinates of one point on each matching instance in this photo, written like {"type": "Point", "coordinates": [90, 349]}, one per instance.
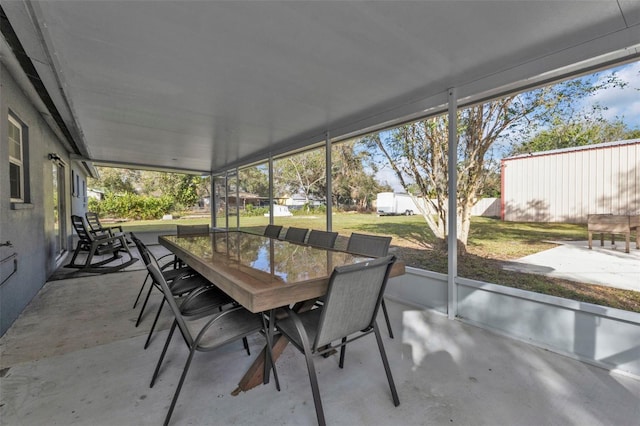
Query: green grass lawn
{"type": "Point", "coordinates": [491, 243]}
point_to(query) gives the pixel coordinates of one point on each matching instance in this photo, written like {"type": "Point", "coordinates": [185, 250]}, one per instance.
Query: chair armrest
{"type": "Point", "coordinates": [110, 228]}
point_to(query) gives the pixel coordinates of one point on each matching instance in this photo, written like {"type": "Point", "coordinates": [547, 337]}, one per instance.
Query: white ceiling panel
{"type": "Point", "coordinates": [203, 85]}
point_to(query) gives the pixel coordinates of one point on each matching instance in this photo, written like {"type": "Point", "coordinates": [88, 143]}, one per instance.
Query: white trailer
{"type": "Point", "coordinates": [394, 203]}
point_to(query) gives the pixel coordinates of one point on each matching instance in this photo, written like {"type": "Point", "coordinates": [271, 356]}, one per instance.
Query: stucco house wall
{"type": "Point", "coordinates": [29, 226]}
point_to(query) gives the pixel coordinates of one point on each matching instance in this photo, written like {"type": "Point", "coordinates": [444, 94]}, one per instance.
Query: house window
{"type": "Point", "coordinates": [16, 161]}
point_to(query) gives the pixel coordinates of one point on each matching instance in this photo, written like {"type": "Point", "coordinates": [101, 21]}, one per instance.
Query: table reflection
{"type": "Point", "coordinates": [282, 260]}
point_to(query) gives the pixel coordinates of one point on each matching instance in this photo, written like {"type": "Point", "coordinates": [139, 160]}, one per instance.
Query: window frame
{"type": "Point", "coordinates": [19, 162]}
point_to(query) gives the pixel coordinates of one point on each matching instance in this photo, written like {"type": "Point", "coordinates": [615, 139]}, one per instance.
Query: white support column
{"type": "Point", "coordinates": [452, 217]}
{"type": "Point", "coordinates": [329, 193]}
{"type": "Point", "coordinates": [212, 200]}
{"type": "Point", "coordinates": [270, 190]}
{"type": "Point", "coordinates": [237, 198]}
{"type": "Point", "coordinates": [226, 199]}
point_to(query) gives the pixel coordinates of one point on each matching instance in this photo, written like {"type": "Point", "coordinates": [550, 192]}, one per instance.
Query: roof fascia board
{"type": "Point", "coordinates": [141, 166]}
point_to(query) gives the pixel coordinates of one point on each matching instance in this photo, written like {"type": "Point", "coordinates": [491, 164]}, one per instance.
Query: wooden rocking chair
{"type": "Point", "coordinates": [98, 245]}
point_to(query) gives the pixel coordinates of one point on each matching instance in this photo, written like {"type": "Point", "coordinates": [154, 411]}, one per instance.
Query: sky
{"type": "Point", "coordinates": [621, 104]}
{"type": "Point", "coordinates": [625, 103]}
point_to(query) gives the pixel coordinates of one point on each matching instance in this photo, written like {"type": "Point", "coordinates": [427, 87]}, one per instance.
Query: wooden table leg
{"type": "Point", "coordinates": [255, 374]}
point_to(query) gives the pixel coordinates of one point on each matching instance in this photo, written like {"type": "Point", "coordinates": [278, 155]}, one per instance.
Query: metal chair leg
{"type": "Point", "coordinates": [310, 368]}
{"type": "Point", "coordinates": [180, 383]}
{"type": "Point", "coordinates": [153, 326]}
{"type": "Point", "coordinates": [245, 342]}
{"type": "Point", "coordinates": [387, 369]}
{"type": "Point", "coordinates": [164, 351]}
{"type": "Point", "coordinates": [144, 305]}
{"type": "Point", "coordinates": [386, 318]}
{"type": "Point", "coordinates": [343, 350]}
{"type": "Point", "coordinates": [140, 292]}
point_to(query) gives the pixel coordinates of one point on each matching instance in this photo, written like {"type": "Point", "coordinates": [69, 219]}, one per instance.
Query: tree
{"type": "Point", "coordinates": [181, 187]}
{"type": "Point", "coordinates": [584, 131]}
{"type": "Point", "coordinates": [353, 176]}
{"type": "Point", "coordinates": [116, 181]}
{"type": "Point", "coordinates": [255, 180]}
{"type": "Point", "coordinates": [301, 173]}
{"type": "Point", "coordinates": [418, 154]}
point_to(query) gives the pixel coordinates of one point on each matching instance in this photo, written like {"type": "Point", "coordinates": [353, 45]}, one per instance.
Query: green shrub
{"type": "Point", "coordinates": [94, 205]}
{"type": "Point", "coordinates": [133, 206]}
{"type": "Point", "coordinates": [308, 209]}
{"type": "Point", "coordinates": [251, 210]}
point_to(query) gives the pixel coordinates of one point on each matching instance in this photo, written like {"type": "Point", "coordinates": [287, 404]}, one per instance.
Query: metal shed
{"type": "Point", "coordinates": [566, 185]}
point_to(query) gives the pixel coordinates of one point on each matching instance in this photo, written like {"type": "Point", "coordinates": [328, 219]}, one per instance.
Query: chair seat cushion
{"type": "Point", "coordinates": [172, 274]}
{"type": "Point", "coordinates": [188, 284]}
{"type": "Point", "coordinates": [228, 326]}
{"type": "Point", "coordinates": [206, 302]}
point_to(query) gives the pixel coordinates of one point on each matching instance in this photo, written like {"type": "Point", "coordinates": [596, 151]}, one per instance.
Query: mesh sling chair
{"type": "Point", "coordinates": [169, 274]}
{"type": "Point", "coordinates": [181, 286]}
{"type": "Point", "coordinates": [296, 235]}
{"type": "Point", "coordinates": [374, 246]}
{"type": "Point", "coordinates": [322, 239]}
{"type": "Point", "coordinates": [349, 313]}
{"type": "Point", "coordinates": [272, 231]}
{"type": "Point", "coordinates": [98, 246]}
{"type": "Point", "coordinates": [203, 333]}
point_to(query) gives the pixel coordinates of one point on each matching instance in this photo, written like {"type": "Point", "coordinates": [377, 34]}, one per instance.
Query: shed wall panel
{"type": "Point", "coordinates": [568, 185]}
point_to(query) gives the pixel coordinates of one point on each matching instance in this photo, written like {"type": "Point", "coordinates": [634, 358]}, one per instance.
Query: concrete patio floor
{"type": "Point", "coordinates": [74, 357]}
{"type": "Point", "coordinates": [608, 265]}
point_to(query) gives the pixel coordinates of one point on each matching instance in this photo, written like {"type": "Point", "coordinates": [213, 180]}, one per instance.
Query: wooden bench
{"type": "Point", "coordinates": [614, 224]}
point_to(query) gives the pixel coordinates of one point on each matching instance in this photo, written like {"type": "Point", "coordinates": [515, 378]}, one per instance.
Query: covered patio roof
{"type": "Point", "coordinates": [205, 86]}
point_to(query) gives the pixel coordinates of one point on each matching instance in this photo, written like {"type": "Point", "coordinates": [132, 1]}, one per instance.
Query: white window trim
{"type": "Point", "coordinates": [18, 162]}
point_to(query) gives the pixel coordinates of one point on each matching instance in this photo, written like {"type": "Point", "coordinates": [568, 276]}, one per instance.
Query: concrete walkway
{"type": "Point", "coordinates": [572, 260]}
{"type": "Point", "coordinates": [74, 357]}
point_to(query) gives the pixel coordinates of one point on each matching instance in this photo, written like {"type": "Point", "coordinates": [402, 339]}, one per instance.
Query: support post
{"type": "Point", "coordinates": [270, 190]}
{"type": "Point", "coordinates": [212, 201]}
{"type": "Point", "coordinates": [329, 194]}
{"type": "Point", "coordinates": [452, 217]}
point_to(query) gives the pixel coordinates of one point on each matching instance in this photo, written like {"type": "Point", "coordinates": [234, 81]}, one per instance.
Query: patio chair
{"type": "Point", "coordinates": [322, 239]}
{"type": "Point", "coordinates": [296, 235]}
{"type": "Point", "coordinates": [97, 229]}
{"type": "Point", "coordinates": [206, 333]}
{"type": "Point", "coordinates": [272, 231]}
{"type": "Point", "coordinates": [180, 286]}
{"type": "Point", "coordinates": [169, 274]}
{"type": "Point", "coordinates": [98, 245]}
{"type": "Point", "coordinates": [349, 313]}
{"type": "Point", "coordinates": [374, 246]}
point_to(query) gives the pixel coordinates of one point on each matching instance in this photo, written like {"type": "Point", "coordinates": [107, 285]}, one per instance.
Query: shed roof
{"type": "Point", "coordinates": [604, 145]}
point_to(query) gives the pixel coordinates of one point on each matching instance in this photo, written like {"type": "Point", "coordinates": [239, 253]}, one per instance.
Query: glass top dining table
{"type": "Point", "coordinates": [259, 272]}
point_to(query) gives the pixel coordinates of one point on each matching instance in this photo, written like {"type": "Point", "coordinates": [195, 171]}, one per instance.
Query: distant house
{"type": "Point", "coordinates": [566, 185]}
{"type": "Point", "coordinates": [299, 200]}
{"type": "Point", "coordinates": [95, 193]}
